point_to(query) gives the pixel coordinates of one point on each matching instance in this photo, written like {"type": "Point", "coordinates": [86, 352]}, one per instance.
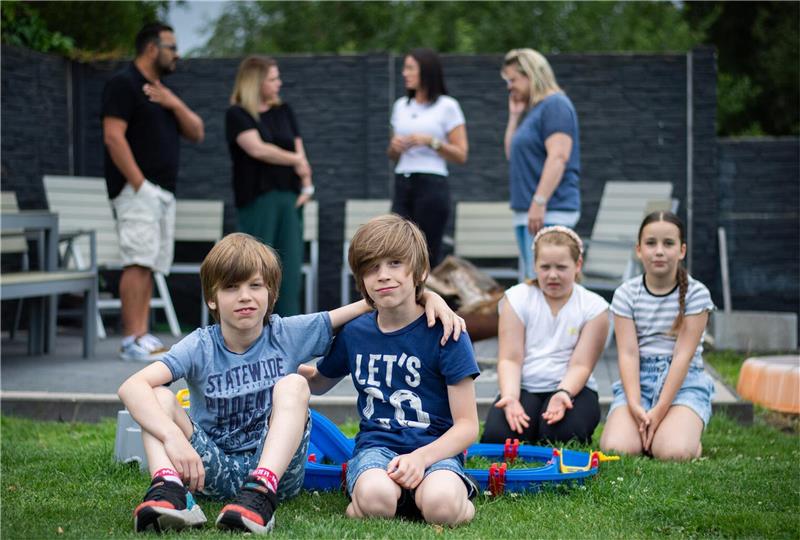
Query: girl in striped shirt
{"type": "Point", "coordinates": [663, 400]}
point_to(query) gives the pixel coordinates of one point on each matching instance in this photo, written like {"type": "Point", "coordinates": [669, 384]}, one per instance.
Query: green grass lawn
{"type": "Point", "coordinates": [60, 480]}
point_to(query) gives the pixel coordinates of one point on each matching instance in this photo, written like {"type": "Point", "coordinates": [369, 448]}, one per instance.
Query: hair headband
{"type": "Point", "coordinates": [559, 228]}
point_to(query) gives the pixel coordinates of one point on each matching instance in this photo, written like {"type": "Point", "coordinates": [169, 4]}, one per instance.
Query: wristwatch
{"type": "Point", "coordinates": [307, 190]}
{"type": "Point", "coordinates": [435, 144]}
{"type": "Point", "coordinates": [541, 201]}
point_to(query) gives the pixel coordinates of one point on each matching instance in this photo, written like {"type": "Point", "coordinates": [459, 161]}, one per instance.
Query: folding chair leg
{"type": "Point", "coordinates": [169, 310]}
{"type": "Point", "coordinates": [308, 300]}
{"type": "Point", "coordinates": [344, 288]}
{"type": "Point", "coordinates": [51, 303]}
{"type": "Point", "coordinates": [90, 316]}
{"type": "Point", "coordinates": [101, 329]}
{"type": "Point", "coordinates": [17, 319]}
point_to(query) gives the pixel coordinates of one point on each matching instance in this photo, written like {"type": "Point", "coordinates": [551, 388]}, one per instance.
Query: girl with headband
{"type": "Point", "coordinates": [551, 335]}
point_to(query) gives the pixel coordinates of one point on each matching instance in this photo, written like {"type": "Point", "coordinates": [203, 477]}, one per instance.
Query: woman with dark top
{"type": "Point", "coordinates": [271, 175]}
{"type": "Point", "coordinates": [428, 129]}
{"type": "Point", "coordinates": [543, 149]}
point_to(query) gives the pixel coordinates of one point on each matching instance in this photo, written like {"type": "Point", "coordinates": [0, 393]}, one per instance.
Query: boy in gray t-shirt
{"type": "Point", "coordinates": [247, 429]}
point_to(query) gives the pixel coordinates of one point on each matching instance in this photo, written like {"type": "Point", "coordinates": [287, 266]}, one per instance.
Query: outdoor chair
{"type": "Point", "coordinates": [609, 257]}
{"type": "Point", "coordinates": [82, 203]}
{"type": "Point", "coordinates": [197, 221]}
{"type": "Point", "coordinates": [14, 244]}
{"type": "Point", "coordinates": [42, 286]}
{"type": "Point", "coordinates": [485, 230]}
{"type": "Point", "coordinates": [356, 213]}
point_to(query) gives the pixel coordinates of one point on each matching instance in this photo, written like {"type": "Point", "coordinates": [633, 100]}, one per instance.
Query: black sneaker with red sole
{"type": "Point", "coordinates": [167, 505]}
{"type": "Point", "coordinates": [253, 509]}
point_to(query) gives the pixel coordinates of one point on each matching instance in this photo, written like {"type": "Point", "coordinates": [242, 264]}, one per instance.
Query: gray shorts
{"type": "Point", "coordinates": [695, 392]}
{"type": "Point", "coordinates": [146, 226]}
{"type": "Point", "coordinates": [226, 472]}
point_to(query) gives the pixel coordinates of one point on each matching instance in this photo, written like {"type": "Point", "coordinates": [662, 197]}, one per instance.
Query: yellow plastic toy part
{"type": "Point", "coordinates": [595, 458]}
{"type": "Point", "coordinates": [183, 397]}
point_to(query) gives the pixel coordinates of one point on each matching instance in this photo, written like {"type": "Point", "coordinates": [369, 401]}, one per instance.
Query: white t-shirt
{"type": "Point", "coordinates": [653, 315]}
{"type": "Point", "coordinates": [435, 119]}
{"type": "Point", "coordinates": [549, 340]}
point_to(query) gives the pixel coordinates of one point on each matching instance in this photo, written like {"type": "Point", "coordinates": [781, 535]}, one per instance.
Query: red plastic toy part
{"type": "Point", "coordinates": [511, 450]}
{"type": "Point", "coordinates": [497, 479]}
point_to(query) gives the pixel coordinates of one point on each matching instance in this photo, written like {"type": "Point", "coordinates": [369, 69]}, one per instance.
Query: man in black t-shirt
{"type": "Point", "coordinates": [142, 124]}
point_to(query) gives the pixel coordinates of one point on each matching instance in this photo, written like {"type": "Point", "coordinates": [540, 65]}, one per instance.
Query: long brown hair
{"type": "Point", "coordinates": [682, 275]}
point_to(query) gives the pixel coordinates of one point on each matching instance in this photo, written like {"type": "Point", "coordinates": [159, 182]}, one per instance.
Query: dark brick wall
{"type": "Point", "coordinates": [35, 122]}
{"type": "Point", "coordinates": [759, 206]}
{"type": "Point", "coordinates": [632, 110]}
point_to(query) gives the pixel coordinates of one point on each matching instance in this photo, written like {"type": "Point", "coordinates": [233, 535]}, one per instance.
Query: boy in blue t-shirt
{"type": "Point", "coordinates": [416, 397]}
{"type": "Point", "coordinates": [247, 431]}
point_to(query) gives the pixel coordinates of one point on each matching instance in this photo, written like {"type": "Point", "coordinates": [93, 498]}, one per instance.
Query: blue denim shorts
{"type": "Point", "coordinates": [225, 473]}
{"type": "Point", "coordinates": [695, 392]}
{"type": "Point", "coordinates": [379, 458]}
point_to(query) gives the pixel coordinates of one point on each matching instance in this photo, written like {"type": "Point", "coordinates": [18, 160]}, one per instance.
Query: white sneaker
{"type": "Point", "coordinates": [152, 343]}
{"type": "Point", "coordinates": [135, 351]}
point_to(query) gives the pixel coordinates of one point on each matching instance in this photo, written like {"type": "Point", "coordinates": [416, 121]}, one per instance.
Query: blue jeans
{"type": "Point", "coordinates": [379, 458]}
{"type": "Point", "coordinates": [695, 392]}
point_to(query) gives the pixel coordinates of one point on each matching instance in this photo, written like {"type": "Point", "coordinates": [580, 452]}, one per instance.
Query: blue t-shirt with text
{"type": "Point", "coordinates": [401, 378]}
{"type": "Point", "coordinates": [231, 393]}
{"type": "Point", "coordinates": [554, 114]}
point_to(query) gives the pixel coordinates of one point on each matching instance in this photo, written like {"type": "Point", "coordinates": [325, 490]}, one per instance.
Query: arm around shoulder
{"type": "Point", "coordinates": [345, 314]}
{"type": "Point", "coordinates": [317, 382]}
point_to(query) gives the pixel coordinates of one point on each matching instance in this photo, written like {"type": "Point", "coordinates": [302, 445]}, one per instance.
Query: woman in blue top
{"type": "Point", "coordinates": [542, 147]}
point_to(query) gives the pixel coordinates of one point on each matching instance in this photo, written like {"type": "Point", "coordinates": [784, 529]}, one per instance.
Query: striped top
{"type": "Point", "coordinates": [654, 314]}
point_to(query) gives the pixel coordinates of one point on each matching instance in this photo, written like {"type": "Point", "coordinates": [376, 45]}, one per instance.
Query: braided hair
{"type": "Point", "coordinates": [682, 275]}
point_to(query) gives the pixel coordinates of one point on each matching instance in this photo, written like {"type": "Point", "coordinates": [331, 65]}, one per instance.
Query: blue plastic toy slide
{"type": "Point", "coordinates": [330, 449]}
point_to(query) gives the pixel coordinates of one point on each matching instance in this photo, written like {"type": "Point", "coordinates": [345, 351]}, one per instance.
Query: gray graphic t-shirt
{"type": "Point", "coordinates": [231, 393]}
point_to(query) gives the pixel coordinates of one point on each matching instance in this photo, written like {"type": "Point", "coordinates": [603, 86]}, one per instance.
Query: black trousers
{"type": "Point", "coordinates": [578, 423]}
{"type": "Point", "coordinates": [424, 199]}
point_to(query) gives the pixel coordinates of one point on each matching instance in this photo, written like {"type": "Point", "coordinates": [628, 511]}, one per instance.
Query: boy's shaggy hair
{"type": "Point", "coordinates": [393, 237]}
{"type": "Point", "coordinates": [235, 259]}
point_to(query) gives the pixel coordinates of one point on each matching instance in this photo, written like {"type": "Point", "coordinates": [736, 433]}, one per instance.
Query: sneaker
{"type": "Point", "coordinates": [167, 505]}
{"type": "Point", "coordinates": [152, 344]}
{"type": "Point", "coordinates": [135, 351]}
{"type": "Point", "coordinates": [253, 510]}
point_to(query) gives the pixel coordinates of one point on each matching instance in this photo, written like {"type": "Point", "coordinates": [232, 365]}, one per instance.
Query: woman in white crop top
{"type": "Point", "coordinates": [428, 130]}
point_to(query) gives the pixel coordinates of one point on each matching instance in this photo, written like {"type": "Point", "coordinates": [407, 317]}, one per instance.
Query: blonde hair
{"type": "Point", "coordinates": [558, 236]}
{"type": "Point", "coordinates": [247, 88]}
{"type": "Point", "coordinates": [534, 67]}
{"type": "Point", "coordinates": [235, 259]}
{"type": "Point", "coordinates": [389, 236]}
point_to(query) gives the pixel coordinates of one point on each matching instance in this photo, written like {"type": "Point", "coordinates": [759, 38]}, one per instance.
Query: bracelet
{"type": "Point", "coordinates": [571, 397]}
{"type": "Point", "coordinates": [307, 190]}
